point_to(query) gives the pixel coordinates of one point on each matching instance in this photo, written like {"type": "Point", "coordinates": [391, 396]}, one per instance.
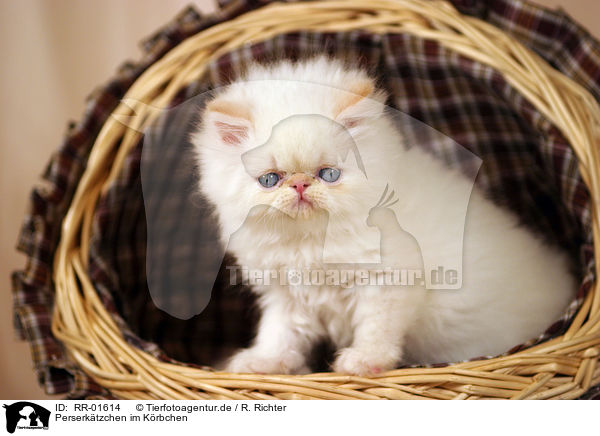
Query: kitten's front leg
{"type": "Point", "coordinates": [382, 318]}
{"type": "Point", "coordinates": [280, 347]}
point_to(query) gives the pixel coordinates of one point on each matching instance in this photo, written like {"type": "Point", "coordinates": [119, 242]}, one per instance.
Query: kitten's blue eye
{"type": "Point", "coordinates": [268, 180]}
{"type": "Point", "coordinates": [329, 174]}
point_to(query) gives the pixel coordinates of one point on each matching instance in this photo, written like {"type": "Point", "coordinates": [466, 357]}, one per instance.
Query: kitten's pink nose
{"type": "Point", "coordinates": [299, 182]}
{"type": "Point", "coordinates": [300, 187]}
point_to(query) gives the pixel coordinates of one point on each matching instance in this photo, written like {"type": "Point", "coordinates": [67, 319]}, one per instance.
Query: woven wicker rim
{"type": "Point", "coordinates": [564, 367]}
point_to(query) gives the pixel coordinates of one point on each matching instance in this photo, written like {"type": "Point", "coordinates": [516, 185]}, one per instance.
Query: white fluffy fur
{"type": "Point", "coordinates": [514, 286]}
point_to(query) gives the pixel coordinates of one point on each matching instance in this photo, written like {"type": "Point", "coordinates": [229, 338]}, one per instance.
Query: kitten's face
{"type": "Point", "coordinates": [307, 167]}
{"type": "Point", "coordinates": [282, 163]}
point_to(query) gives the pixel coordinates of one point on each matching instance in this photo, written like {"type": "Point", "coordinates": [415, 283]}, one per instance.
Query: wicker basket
{"type": "Point", "coordinates": [564, 367]}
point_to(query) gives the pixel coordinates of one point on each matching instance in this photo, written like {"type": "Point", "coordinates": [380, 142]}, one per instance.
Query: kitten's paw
{"type": "Point", "coordinates": [252, 360]}
{"type": "Point", "coordinates": [357, 361]}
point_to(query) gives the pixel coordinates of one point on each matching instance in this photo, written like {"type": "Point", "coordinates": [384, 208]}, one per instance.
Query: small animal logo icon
{"type": "Point", "coordinates": [26, 415]}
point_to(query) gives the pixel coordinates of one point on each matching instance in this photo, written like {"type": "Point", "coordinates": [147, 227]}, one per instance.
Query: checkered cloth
{"type": "Point", "coordinates": [528, 167]}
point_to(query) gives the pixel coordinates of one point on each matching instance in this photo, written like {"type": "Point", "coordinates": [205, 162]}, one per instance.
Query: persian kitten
{"type": "Point", "coordinates": [308, 172]}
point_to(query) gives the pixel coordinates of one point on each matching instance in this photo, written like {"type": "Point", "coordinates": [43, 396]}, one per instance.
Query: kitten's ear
{"type": "Point", "coordinates": [231, 121]}
{"type": "Point", "coordinates": [361, 102]}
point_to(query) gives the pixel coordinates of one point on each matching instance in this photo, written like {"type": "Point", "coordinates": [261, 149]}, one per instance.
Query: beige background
{"type": "Point", "coordinates": [53, 53]}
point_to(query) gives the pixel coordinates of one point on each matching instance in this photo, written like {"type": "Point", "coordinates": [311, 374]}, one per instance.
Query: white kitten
{"type": "Point", "coordinates": [314, 129]}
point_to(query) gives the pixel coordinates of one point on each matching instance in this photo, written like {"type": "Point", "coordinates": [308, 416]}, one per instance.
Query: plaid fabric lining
{"type": "Point", "coordinates": [527, 166]}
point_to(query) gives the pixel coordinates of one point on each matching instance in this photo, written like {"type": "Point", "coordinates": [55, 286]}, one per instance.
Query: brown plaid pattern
{"type": "Point", "coordinates": [527, 167]}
